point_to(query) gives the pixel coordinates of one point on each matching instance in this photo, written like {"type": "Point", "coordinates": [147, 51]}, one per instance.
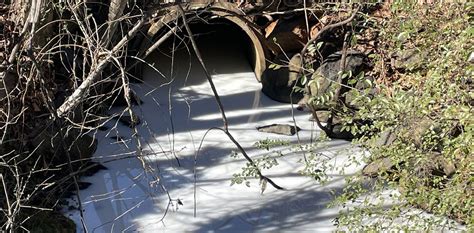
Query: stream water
{"type": "Point", "coordinates": [177, 111]}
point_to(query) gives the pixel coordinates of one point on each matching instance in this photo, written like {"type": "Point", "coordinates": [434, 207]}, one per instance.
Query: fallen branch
{"type": "Point", "coordinates": [78, 95]}
{"type": "Point", "coordinates": [225, 129]}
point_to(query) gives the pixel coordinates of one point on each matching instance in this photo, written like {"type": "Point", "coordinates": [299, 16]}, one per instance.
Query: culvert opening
{"type": "Point", "coordinates": [223, 34]}
{"type": "Point", "coordinates": [218, 39]}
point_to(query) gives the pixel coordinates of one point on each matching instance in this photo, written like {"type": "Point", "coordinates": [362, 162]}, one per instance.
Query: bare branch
{"type": "Point", "coordinates": [76, 97]}
{"type": "Point", "coordinates": [219, 103]}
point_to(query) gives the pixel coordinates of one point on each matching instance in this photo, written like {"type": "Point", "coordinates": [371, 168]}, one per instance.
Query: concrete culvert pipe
{"type": "Point", "coordinates": [222, 28]}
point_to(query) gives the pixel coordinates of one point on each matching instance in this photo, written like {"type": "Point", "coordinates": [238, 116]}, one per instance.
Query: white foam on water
{"type": "Point", "coordinates": [126, 198]}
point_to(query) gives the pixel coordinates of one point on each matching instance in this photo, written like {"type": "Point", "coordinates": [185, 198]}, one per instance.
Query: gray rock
{"type": "Point", "coordinates": [351, 97]}
{"type": "Point", "coordinates": [323, 116]}
{"type": "Point", "coordinates": [434, 164]}
{"type": "Point", "coordinates": [386, 138]}
{"type": "Point", "coordinates": [289, 130]}
{"type": "Point", "coordinates": [408, 59]}
{"type": "Point", "coordinates": [443, 165]}
{"type": "Point", "coordinates": [328, 72]}
{"type": "Point", "coordinates": [378, 166]}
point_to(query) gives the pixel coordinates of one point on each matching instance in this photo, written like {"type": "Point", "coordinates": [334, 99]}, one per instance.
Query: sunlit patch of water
{"type": "Point", "coordinates": [175, 117]}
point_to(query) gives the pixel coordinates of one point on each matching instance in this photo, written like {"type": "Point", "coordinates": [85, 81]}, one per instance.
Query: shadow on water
{"type": "Point", "coordinates": [175, 116]}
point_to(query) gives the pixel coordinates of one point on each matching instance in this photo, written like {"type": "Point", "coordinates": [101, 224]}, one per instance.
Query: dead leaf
{"type": "Point", "coordinates": [269, 29]}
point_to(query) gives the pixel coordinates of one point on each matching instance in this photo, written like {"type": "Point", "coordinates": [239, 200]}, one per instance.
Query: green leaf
{"type": "Point", "coordinates": [304, 80]}
{"type": "Point", "coordinates": [368, 82]}
{"type": "Point", "coordinates": [353, 40]}
{"type": "Point", "coordinates": [344, 75]}
{"type": "Point", "coordinates": [274, 66]}
{"type": "Point", "coordinates": [403, 36]}
{"type": "Point", "coordinates": [352, 81]}
{"type": "Point", "coordinates": [319, 45]}
{"type": "Point", "coordinates": [372, 55]}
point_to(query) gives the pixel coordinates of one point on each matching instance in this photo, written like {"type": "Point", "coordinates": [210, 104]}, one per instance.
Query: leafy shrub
{"type": "Point", "coordinates": [424, 102]}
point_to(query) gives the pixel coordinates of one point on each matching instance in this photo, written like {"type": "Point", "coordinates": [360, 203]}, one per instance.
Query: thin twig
{"type": "Point", "coordinates": [324, 29]}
